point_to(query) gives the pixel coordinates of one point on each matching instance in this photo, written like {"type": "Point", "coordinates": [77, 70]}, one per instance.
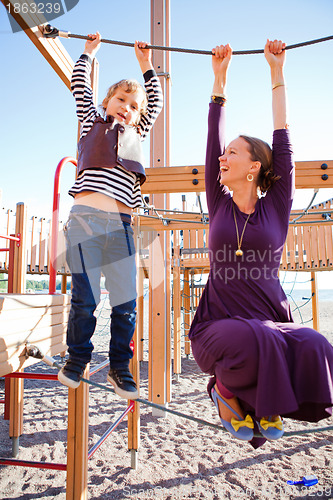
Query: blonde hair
{"type": "Point", "coordinates": [129, 86]}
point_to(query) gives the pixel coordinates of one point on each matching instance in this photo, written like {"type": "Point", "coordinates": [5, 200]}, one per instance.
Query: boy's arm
{"type": "Point", "coordinates": [152, 87]}
{"type": "Point", "coordinates": [81, 84]}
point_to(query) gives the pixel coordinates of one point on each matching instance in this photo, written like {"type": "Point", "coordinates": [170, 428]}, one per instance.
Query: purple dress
{"type": "Point", "coordinates": [243, 332]}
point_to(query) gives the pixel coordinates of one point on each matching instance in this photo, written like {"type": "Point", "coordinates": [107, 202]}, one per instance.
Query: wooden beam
{"type": "Point", "coordinates": [309, 174]}
{"type": "Point", "coordinates": [50, 48]}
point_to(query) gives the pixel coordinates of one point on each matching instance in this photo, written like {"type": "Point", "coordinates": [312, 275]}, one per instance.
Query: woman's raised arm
{"type": "Point", "coordinates": [275, 56]}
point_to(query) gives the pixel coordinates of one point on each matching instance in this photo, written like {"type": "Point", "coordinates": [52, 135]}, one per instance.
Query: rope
{"type": "Point", "coordinates": [35, 352]}
{"type": "Point", "coordinates": [196, 419]}
{"type": "Point", "coordinates": [51, 32]}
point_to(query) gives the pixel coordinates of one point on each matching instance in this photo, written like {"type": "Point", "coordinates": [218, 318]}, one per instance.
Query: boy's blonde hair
{"type": "Point", "coordinates": [129, 86]}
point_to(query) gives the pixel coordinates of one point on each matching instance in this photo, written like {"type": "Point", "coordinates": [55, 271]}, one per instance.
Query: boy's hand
{"type": "Point", "coordinates": [92, 46]}
{"type": "Point", "coordinates": [143, 56]}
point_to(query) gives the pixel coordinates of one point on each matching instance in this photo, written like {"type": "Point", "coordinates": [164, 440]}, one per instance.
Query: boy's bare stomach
{"type": "Point", "coordinates": [101, 202]}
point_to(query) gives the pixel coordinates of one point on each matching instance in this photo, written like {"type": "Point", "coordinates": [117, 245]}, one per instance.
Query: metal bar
{"type": "Point", "coordinates": [28, 463]}
{"type": "Point", "coordinates": [12, 238]}
{"type": "Point", "coordinates": [111, 429]}
{"type": "Point", "coordinates": [33, 376]}
{"type": "Point", "coordinates": [99, 367]}
{"type": "Point", "coordinates": [55, 222]}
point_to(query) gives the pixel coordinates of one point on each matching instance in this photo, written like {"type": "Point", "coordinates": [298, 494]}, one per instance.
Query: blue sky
{"type": "Point", "coordinates": [39, 125]}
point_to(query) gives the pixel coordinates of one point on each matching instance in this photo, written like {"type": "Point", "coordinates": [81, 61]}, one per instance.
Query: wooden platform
{"type": "Point", "coordinates": [40, 320]}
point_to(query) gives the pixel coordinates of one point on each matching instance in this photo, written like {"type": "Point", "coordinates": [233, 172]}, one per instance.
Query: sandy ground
{"type": "Point", "coordinates": [177, 459]}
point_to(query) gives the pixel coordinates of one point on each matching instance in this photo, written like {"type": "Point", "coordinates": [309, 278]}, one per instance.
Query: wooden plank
{"type": "Point", "coordinates": [32, 312]}
{"type": "Point", "coordinates": [15, 335]}
{"type": "Point", "coordinates": [329, 245]}
{"type": "Point", "coordinates": [307, 247]}
{"type": "Point", "coordinates": [42, 246]}
{"type": "Point", "coordinates": [322, 246]}
{"type": "Point", "coordinates": [19, 301]}
{"type": "Point", "coordinates": [33, 245]}
{"type": "Point", "coordinates": [51, 49]}
{"type": "Point", "coordinates": [308, 174]}
{"type": "Point", "coordinates": [314, 246]}
{"type": "Point", "coordinates": [14, 358]}
{"type": "Point", "coordinates": [291, 248]}
{"type": "Point", "coordinates": [299, 241]}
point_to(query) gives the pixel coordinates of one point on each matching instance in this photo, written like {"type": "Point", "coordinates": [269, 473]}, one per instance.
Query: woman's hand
{"type": "Point", "coordinates": [92, 46]}
{"type": "Point", "coordinates": [221, 59]}
{"type": "Point", "coordinates": [275, 53]}
{"type": "Point", "coordinates": [143, 55]}
{"type": "Point", "coordinates": [220, 62]}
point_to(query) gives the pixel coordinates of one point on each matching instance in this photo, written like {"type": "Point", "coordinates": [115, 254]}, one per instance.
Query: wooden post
{"type": "Point", "coordinates": [134, 415]}
{"type": "Point", "coordinates": [18, 278]}
{"type": "Point", "coordinates": [141, 312]}
{"type": "Point", "coordinates": [187, 310]}
{"type": "Point", "coordinates": [77, 441]}
{"type": "Point", "coordinates": [159, 252]}
{"type": "Point", "coordinates": [177, 360]}
{"type": "Point", "coordinates": [315, 301]}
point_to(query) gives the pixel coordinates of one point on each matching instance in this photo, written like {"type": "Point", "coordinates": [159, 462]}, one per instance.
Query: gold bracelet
{"type": "Point", "coordinates": [277, 85]}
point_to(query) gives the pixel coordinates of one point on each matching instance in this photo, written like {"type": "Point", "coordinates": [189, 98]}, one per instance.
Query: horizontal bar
{"type": "Point", "coordinates": [111, 429]}
{"type": "Point", "coordinates": [4, 249]}
{"type": "Point", "coordinates": [28, 463]}
{"type": "Point", "coordinates": [6, 237]}
{"type": "Point", "coordinates": [33, 376]}
{"type": "Point", "coordinates": [99, 367]}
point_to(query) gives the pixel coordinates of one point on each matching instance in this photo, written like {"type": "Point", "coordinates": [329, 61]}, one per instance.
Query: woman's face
{"type": "Point", "coordinates": [235, 163]}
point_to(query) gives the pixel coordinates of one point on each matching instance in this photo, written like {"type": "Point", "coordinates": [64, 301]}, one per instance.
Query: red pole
{"type": "Point", "coordinates": [55, 222]}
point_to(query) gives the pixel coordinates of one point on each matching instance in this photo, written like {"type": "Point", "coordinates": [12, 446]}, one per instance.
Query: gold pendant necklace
{"type": "Point", "coordinates": [239, 252]}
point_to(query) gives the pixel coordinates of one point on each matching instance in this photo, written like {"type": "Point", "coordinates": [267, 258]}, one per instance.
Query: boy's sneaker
{"type": "Point", "coordinates": [71, 373]}
{"type": "Point", "coordinates": [123, 383]}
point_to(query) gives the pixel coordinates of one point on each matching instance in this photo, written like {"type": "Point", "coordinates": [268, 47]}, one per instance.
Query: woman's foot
{"type": "Point", "coordinates": [271, 427]}
{"type": "Point", "coordinates": [232, 416]}
{"type": "Point", "coordinates": [224, 411]}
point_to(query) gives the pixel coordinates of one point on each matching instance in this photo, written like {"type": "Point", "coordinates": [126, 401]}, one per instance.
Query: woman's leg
{"type": "Point", "coordinates": [228, 349]}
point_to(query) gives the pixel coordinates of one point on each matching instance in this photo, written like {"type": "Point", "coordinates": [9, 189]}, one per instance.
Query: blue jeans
{"type": "Point", "coordinates": [101, 242]}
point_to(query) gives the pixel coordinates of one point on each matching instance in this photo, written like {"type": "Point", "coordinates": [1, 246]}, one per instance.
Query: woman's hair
{"type": "Point", "coordinates": [262, 152]}
{"type": "Point", "coordinates": [129, 86]}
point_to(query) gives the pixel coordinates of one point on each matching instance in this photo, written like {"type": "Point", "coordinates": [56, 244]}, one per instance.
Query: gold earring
{"type": "Point", "coordinates": [249, 177]}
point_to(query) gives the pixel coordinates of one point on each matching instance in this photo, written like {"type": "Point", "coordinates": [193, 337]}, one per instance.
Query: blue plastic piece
{"type": "Point", "coordinates": [306, 481]}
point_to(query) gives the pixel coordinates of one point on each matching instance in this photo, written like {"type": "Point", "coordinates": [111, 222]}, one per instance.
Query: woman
{"type": "Point", "coordinates": [264, 366]}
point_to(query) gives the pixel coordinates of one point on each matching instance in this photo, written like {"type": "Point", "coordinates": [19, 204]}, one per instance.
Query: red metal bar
{"type": "Point", "coordinates": [33, 376]}
{"type": "Point", "coordinates": [111, 429]}
{"type": "Point", "coordinates": [4, 249]}
{"type": "Point", "coordinates": [99, 367]}
{"type": "Point", "coordinates": [55, 222]}
{"type": "Point", "coordinates": [28, 463]}
{"type": "Point", "coordinates": [13, 238]}
{"type": "Point", "coordinates": [2, 401]}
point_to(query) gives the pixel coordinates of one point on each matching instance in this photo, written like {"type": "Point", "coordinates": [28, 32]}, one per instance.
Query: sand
{"type": "Point", "coordinates": [177, 459]}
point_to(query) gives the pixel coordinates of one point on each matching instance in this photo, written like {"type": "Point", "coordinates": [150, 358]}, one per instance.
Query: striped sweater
{"type": "Point", "coordinates": [117, 182]}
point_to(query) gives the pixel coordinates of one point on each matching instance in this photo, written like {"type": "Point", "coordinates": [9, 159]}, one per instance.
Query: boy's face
{"type": "Point", "coordinates": [125, 106]}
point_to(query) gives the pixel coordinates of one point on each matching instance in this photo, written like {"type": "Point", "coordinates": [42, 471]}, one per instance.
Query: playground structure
{"type": "Point", "coordinates": [171, 249]}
